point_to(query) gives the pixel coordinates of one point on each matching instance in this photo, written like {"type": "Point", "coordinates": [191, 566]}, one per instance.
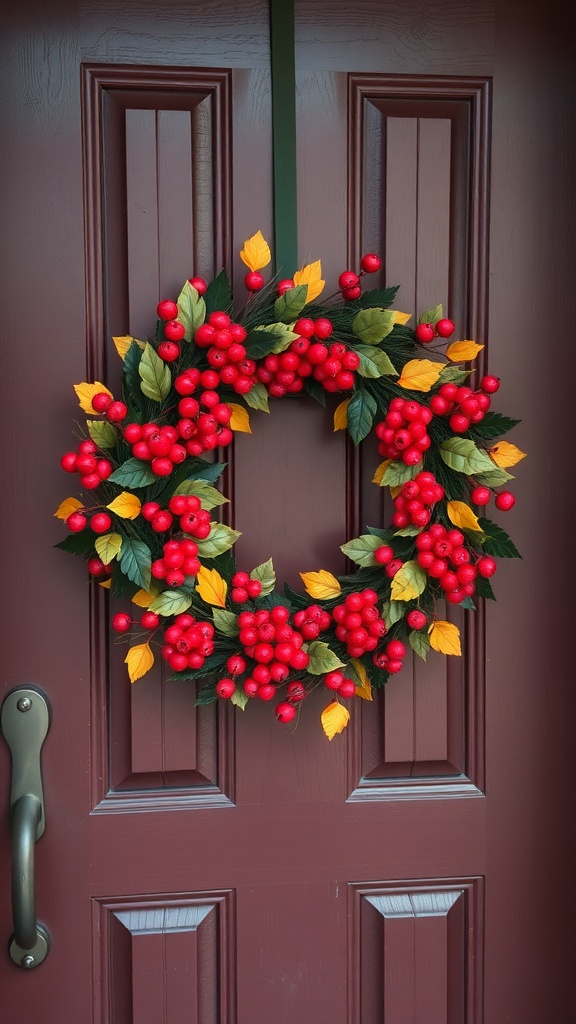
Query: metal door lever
{"type": "Point", "coordinates": [25, 719]}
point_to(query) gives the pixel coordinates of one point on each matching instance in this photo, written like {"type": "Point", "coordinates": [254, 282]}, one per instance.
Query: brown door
{"type": "Point", "coordinates": [212, 866]}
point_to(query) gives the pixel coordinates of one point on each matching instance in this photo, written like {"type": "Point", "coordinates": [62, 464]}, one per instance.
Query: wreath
{"type": "Point", "coordinates": [147, 476]}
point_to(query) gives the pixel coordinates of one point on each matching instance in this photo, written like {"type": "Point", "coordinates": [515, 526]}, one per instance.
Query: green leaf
{"type": "Point", "coordinates": [225, 622]}
{"type": "Point", "coordinates": [218, 295]}
{"type": "Point", "coordinates": [453, 375]}
{"type": "Point", "coordinates": [374, 362]}
{"type": "Point", "coordinates": [484, 588]}
{"type": "Point", "coordinates": [361, 549]}
{"type": "Point", "coordinates": [372, 325]}
{"type": "Point", "coordinates": [493, 425]}
{"type": "Point", "coordinates": [495, 478]}
{"type": "Point", "coordinates": [361, 411]}
{"type": "Point", "coordinates": [284, 334]}
{"type": "Point", "coordinates": [207, 695]}
{"type": "Point", "coordinates": [393, 611]}
{"type": "Point", "coordinates": [289, 305]}
{"type": "Point", "coordinates": [399, 473]}
{"type": "Point", "coordinates": [419, 643]}
{"type": "Point", "coordinates": [322, 659]}
{"type": "Point", "coordinates": [265, 574]}
{"type": "Point", "coordinates": [170, 602]}
{"type": "Point", "coordinates": [381, 297]}
{"type": "Point", "coordinates": [462, 455]}
{"type": "Point", "coordinates": [102, 433]}
{"type": "Point", "coordinates": [467, 603]}
{"type": "Point", "coordinates": [154, 374]}
{"type": "Point", "coordinates": [208, 495]}
{"type": "Point", "coordinates": [262, 341]}
{"type": "Point", "coordinates": [133, 473]}
{"type": "Point", "coordinates": [430, 316]}
{"type": "Point", "coordinates": [221, 539]}
{"type": "Point", "coordinates": [135, 560]}
{"type": "Point", "coordinates": [78, 543]}
{"type": "Point", "coordinates": [257, 398]}
{"type": "Point", "coordinates": [408, 531]}
{"type": "Point", "coordinates": [204, 472]}
{"type": "Point", "coordinates": [191, 310]}
{"type": "Point", "coordinates": [497, 541]}
{"type": "Point", "coordinates": [239, 698]}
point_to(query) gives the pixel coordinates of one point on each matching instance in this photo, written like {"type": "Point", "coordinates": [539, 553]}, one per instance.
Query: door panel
{"type": "Point", "coordinates": [203, 864]}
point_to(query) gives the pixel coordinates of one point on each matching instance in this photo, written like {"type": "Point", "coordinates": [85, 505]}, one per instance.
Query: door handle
{"type": "Point", "coordinates": [25, 720]}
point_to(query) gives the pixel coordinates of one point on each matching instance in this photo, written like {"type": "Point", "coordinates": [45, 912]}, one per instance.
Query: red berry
{"type": "Point", "coordinates": [424, 333]}
{"type": "Point", "coordinates": [95, 566]}
{"type": "Point", "coordinates": [444, 327]}
{"type": "Point", "coordinates": [348, 279]}
{"type": "Point", "coordinates": [149, 620]}
{"type": "Point", "coordinates": [505, 501]}
{"type": "Point", "coordinates": [285, 712]}
{"type": "Point", "coordinates": [296, 692]}
{"type": "Point", "coordinates": [101, 401]}
{"type": "Point", "coordinates": [225, 688]}
{"type": "Point", "coordinates": [199, 284]}
{"type": "Point", "coordinates": [486, 566]}
{"type": "Point", "coordinates": [284, 286]}
{"type": "Point", "coordinates": [395, 650]}
{"type": "Point", "coordinates": [174, 330]}
{"type": "Point", "coordinates": [168, 351]}
{"type": "Point", "coordinates": [236, 664]}
{"type": "Point", "coordinates": [166, 310]}
{"type": "Point", "coordinates": [370, 263]}
{"type": "Point", "coordinates": [383, 554]}
{"type": "Point", "coordinates": [347, 688]}
{"type": "Point", "coordinates": [489, 385]}
{"type": "Point", "coordinates": [121, 622]}
{"type": "Point", "coordinates": [352, 293]}
{"type": "Point", "coordinates": [68, 462]}
{"type": "Point", "coordinates": [162, 466]}
{"type": "Point", "coordinates": [254, 281]}
{"type": "Point", "coordinates": [116, 411]}
{"type": "Point", "coordinates": [101, 522]}
{"type": "Point", "coordinates": [416, 619]}
{"type": "Point", "coordinates": [480, 495]}
{"type": "Point", "coordinates": [333, 680]}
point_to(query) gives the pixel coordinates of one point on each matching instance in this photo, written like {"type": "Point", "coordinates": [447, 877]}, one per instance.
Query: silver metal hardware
{"type": "Point", "coordinates": [25, 734]}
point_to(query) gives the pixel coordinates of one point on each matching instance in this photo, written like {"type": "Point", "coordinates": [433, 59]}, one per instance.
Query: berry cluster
{"type": "Point", "coordinates": [415, 500]}
{"type": "Point", "coordinates": [223, 340]}
{"type": "Point", "coordinates": [312, 621]}
{"type": "Point", "coordinates": [442, 554]}
{"type": "Point", "coordinates": [426, 332]}
{"type": "Point", "coordinates": [174, 331]}
{"type": "Point", "coordinates": [192, 518]}
{"type": "Point", "coordinates": [178, 563]}
{"type": "Point", "coordinates": [390, 659]}
{"type": "Point", "coordinates": [268, 638]}
{"type": "Point", "coordinates": [402, 433]}
{"type": "Point", "coordinates": [187, 643]}
{"type": "Point", "coordinates": [337, 681]}
{"type": "Point", "coordinates": [349, 282]}
{"type": "Point", "coordinates": [461, 404]}
{"type": "Point", "coordinates": [99, 522]}
{"type": "Point", "coordinates": [358, 620]}
{"type": "Point", "coordinates": [92, 468]}
{"type": "Point", "coordinates": [243, 588]}
{"type": "Point", "coordinates": [333, 365]}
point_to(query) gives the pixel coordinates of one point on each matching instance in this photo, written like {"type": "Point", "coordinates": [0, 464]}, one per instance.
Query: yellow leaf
{"type": "Point", "coordinates": [311, 275]}
{"type": "Point", "coordinates": [321, 585]}
{"type": "Point", "coordinates": [67, 507]}
{"type": "Point", "coordinates": [256, 252]}
{"type": "Point", "coordinates": [334, 718]}
{"type": "Point", "coordinates": [108, 546]}
{"type": "Point", "coordinates": [143, 599]}
{"type": "Point", "coordinates": [408, 583]}
{"type": "Point", "coordinates": [395, 491]}
{"type": "Point", "coordinates": [126, 505]}
{"type": "Point", "coordinates": [381, 469]}
{"type": "Point", "coordinates": [106, 584]}
{"type": "Point", "coordinates": [211, 587]}
{"type": "Point", "coordinates": [341, 415]}
{"type": "Point", "coordinates": [86, 392]}
{"type": "Point", "coordinates": [363, 688]}
{"type": "Point", "coordinates": [400, 318]}
{"type": "Point", "coordinates": [445, 637]}
{"type": "Point", "coordinates": [463, 351]}
{"type": "Point", "coordinates": [462, 516]}
{"type": "Point", "coordinates": [122, 344]}
{"type": "Point", "coordinates": [505, 454]}
{"type": "Point", "coordinates": [420, 374]}
{"type": "Point", "coordinates": [240, 419]}
{"type": "Point", "coordinates": [139, 660]}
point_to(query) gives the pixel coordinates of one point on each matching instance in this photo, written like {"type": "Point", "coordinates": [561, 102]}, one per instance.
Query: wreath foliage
{"type": "Point", "coordinates": [145, 521]}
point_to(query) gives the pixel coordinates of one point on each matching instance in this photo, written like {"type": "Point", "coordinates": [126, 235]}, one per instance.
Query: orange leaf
{"type": "Point", "coordinates": [380, 470]}
{"type": "Point", "coordinates": [67, 507]}
{"type": "Point", "coordinates": [463, 351]}
{"type": "Point", "coordinates": [400, 318]}
{"type": "Point", "coordinates": [334, 718]}
{"type": "Point", "coordinates": [462, 516]}
{"type": "Point", "coordinates": [505, 454]}
{"type": "Point", "coordinates": [445, 637]}
{"type": "Point", "coordinates": [211, 587]}
{"type": "Point", "coordinates": [126, 505]}
{"type": "Point", "coordinates": [311, 275]}
{"type": "Point", "coordinates": [420, 374]}
{"type": "Point", "coordinates": [143, 599]}
{"type": "Point", "coordinates": [139, 660]}
{"type": "Point", "coordinates": [86, 392]}
{"type": "Point", "coordinates": [321, 585]}
{"type": "Point", "coordinates": [256, 252]}
{"type": "Point", "coordinates": [122, 344]}
{"type": "Point", "coordinates": [240, 420]}
{"type": "Point", "coordinates": [363, 688]}
{"type": "Point", "coordinates": [106, 584]}
{"type": "Point", "coordinates": [341, 415]}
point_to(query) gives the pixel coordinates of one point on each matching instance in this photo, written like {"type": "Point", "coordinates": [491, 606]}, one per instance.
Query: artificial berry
{"type": "Point", "coordinates": [121, 622]}
{"type": "Point", "coordinates": [489, 385]}
{"type": "Point", "coordinates": [505, 501]}
{"type": "Point", "coordinates": [424, 333]}
{"type": "Point", "coordinates": [199, 284]}
{"type": "Point", "coordinates": [352, 293]}
{"type": "Point", "coordinates": [383, 554]}
{"type": "Point", "coordinates": [254, 281]}
{"type": "Point", "coordinates": [68, 462]}
{"type": "Point", "coordinates": [116, 411]}
{"type": "Point", "coordinates": [149, 620]}
{"type": "Point", "coordinates": [76, 522]}
{"type": "Point", "coordinates": [416, 619]}
{"type": "Point", "coordinates": [486, 566]}
{"type": "Point", "coordinates": [96, 567]}
{"type": "Point", "coordinates": [284, 286]}
{"type": "Point", "coordinates": [416, 498]}
{"type": "Point", "coordinates": [166, 310]}
{"type": "Point", "coordinates": [370, 263]}
{"type": "Point", "coordinates": [356, 625]}
{"type": "Point", "coordinates": [285, 712]}
{"type": "Point", "coordinates": [348, 279]}
{"type": "Point", "coordinates": [402, 433]}
{"type": "Point", "coordinates": [169, 351]}
{"type": "Point", "coordinates": [480, 495]}
{"type": "Point", "coordinates": [225, 688]}
{"type": "Point", "coordinates": [174, 330]}
{"type": "Point", "coordinates": [347, 688]}
{"type": "Point", "coordinates": [101, 401]}
{"type": "Point", "coordinates": [444, 327]}
{"type": "Point", "coordinates": [101, 522]}
{"type": "Point", "coordinates": [296, 692]}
